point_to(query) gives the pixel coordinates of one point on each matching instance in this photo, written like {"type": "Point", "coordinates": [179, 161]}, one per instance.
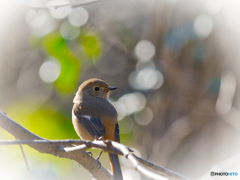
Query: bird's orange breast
{"type": "Point", "coordinates": [109, 124]}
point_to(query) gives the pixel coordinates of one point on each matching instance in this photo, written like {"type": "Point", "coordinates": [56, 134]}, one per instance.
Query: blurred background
{"type": "Point", "coordinates": [175, 63]}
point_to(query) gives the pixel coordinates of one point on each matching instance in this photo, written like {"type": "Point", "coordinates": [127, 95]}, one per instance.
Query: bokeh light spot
{"type": "Point", "coordinates": [146, 78]}
{"type": "Point", "coordinates": [49, 70]}
{"type": "Point", "coordinates": [144, 117]}
{"type": "Point", "coordinates": [133, 102]}
{"type": "Point", "coordinates": [145, 50]}
{"type": "Point", "coordinates": [30, 15]}
{"type": "Point", "coordinates": [78, 17]}
{"type": "Point", "coordinates": [203, 26]}
{"type": "Point", "coordinates": [41, 24]}
{"type": "Point", "coordinates": [69, 32]}
{"type": "Point", "coordinates": [120, 110]}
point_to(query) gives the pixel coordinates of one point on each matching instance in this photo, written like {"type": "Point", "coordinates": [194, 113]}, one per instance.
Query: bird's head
{"type": "Point", "coordinates": [94, 88]}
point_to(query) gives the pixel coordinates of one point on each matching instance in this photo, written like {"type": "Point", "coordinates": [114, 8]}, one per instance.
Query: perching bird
{"type": "Point", "coordinates": [94, 116]}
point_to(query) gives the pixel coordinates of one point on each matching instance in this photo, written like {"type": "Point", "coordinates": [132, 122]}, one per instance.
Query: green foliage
{"type": "Point", "coordinates": [47, 122]}
{"type": "Point", "coordinates": [91, 46]}
{"type": "Point", "coordinates": [56, 47]}
{"type": "Point", "coordinates": [51, 124]}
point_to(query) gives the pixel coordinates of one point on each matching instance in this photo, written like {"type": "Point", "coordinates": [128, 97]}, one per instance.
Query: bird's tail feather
{"type": "Point", "coordinates": [115, 165]}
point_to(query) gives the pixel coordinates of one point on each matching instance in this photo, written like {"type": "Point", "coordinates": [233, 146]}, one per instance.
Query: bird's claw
{"type": "Point", "coordinates": [101, 138]}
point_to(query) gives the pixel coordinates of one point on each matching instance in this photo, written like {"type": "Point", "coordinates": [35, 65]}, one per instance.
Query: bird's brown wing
{"type": "Point", "coordinates": [116, 133]}
{"type": "Point", "coordinates": [92, 124]}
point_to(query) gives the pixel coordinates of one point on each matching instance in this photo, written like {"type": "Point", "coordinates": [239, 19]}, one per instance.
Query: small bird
{"type": "Point", "coordinates": [94, 117]}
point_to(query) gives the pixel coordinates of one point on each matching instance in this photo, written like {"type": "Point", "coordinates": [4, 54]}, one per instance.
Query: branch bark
{"type": "Point", "coordinates": [54, 4]}
{"type": "Point", "coordinates": [58, 148]}
{"type": "Point", "coordinates": [81, 157]}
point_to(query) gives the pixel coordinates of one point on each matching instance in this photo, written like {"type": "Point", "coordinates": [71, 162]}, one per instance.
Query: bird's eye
{"type": "Point", "coordinates": [96, 88]}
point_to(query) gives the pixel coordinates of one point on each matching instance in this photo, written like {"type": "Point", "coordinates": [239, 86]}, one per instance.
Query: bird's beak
{"type": "Point", "coordinates": [112, 88]}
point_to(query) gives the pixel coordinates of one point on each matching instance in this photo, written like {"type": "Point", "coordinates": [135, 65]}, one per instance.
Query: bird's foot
{"type": "Point", "coordinates": [101, 138]}
{"type": "Point", "coordinates": [108, 143]}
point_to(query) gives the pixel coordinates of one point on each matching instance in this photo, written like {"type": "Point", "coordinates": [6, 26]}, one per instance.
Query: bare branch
{"type": "Point", "coordinates": [162, 170]}
{"type": "Point", "coordinates": [26, 163]}
{"type": "Point", "coordinates": [84, 145]}
{"type": "Point", "coordinates": [85, 160]}
{"type": "Point", "coordinates": [87, 144]}
{"type": "Point", "coordinates": [54, 4]}
{"type": "Point", "coordinates": [140, 168]}
{"type": "Point", "coordinates": [109, 146]}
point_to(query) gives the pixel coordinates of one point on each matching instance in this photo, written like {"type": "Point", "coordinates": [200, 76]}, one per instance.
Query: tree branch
{"type": "Point", "coordinates": [85, 160]}
{"type": "Point", "coordinates": [57, 148]}
{"type": "Point", "coordinates": [87, 144]}
{"type": "Point", "coordinates": [164, 171]}
{"type": "Point", "coordinates": [54, 4]}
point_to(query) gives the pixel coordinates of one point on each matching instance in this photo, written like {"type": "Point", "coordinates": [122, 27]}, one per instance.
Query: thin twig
{"type": "Point", "coordinates": [51, 4]}
{"type": "Point", "coordinates": [83, 158]}
{"type": "Point", "coordinates": [26, 163]}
